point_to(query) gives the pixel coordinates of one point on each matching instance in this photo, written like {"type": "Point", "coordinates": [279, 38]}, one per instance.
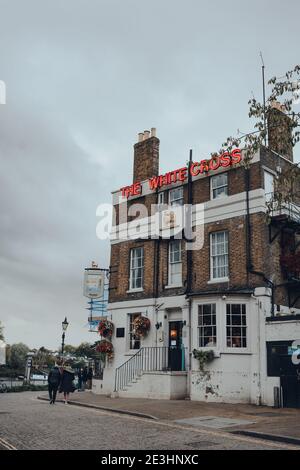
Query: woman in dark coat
{"type": "Point", "coordinates": [66, 384]}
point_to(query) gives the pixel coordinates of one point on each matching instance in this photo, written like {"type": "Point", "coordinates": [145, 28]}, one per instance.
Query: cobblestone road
{"type": "Point", "coordinates": [29, 423]}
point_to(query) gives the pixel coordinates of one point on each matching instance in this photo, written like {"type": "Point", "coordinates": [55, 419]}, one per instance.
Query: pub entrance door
{"type": "Point", "coordinates": [176, 351]}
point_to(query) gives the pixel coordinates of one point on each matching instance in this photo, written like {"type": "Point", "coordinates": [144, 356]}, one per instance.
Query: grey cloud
{"type": "Point", "coordinates": [82, 79]}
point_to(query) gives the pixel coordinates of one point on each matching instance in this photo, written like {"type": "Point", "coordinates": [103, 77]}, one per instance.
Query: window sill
{"type": "Point", "coordinates": [173, 286]}
{"type": "Point", "coordinates": [244, 351]}
{"type": "Point", "coordinates": [217, 352]}
{"type": "Point", "coordinates": [218, 280]}
{"type": "Point", "coordinates": [218, 197]}
{"type": "Point", "coordinates": [138, 289]}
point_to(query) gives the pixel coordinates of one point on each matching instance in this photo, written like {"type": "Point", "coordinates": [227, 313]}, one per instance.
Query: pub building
{"type": "Point", "coordinates": [221, 321]}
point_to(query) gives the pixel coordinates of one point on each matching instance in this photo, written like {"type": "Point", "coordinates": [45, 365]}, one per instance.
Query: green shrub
{"type": "Point", "coordinates": [27, 388]}
{"type": "Point", "coordinates": [203, 357]}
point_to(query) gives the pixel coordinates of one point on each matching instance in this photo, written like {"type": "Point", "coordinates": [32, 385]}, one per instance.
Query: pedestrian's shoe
{"type": "Point", "coordinates": [51, 401]}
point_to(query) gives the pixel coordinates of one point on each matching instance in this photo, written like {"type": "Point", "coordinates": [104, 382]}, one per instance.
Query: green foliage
{"type": "Point", "coordinates": [6, 371]}
{"type": "Point", "coordinates": [1, 332]}
{"type": "Point", "coordinates": [18, 354]}
{"type": "Point", "coordinates": [69, 349]}
{"type": "Point", "coordinates": [84, 350]}
{"type": "Point", "coordinates": [27, 388]}
{"type": "Point", "coordinates": [43, 359]}
{"type": "Point", "coordinates": [203, 357]}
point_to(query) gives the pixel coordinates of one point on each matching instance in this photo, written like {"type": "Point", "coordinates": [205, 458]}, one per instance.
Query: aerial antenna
{"type": "Point", "coordinates": [264, 94]}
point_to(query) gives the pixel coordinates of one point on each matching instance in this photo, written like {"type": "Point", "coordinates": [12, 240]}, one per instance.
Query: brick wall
{"type": "Point", "coordinates": [265, 256]}
{"type": "Point", "coordinates": [146, 159]}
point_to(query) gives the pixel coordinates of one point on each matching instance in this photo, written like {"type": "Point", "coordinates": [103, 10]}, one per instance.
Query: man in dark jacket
{"type": "Point", "coordinates": [84, 377]}
{"type": "Point", "coordinates": [54, 379]}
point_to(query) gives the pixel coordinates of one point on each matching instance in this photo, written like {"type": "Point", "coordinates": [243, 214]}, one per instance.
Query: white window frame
{"type": "Point", "coordinates": [211, 325]}
{"type": "Point", "coordinates": [246, 327]}
{"type": "Point", "coordinates": [217, 187]}
{"type": "Point", "coordinates": [269, 176]}
{"type": "Point", "coordinates": [133, 269]}
{"type": "Point", "coordinates": [172, 264]}
{"type": "Point", "coordinates": [161, 198]}
{"type": "Point", "coordinates": [224, 278]}
{"type": "Point", "coordinates": [176, 201]}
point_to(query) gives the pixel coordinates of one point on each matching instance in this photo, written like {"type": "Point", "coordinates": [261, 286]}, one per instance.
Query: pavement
{"type": "Point", "coordinates": [31, 424]}
{"type": "Point", "coordinates": [282, 425]}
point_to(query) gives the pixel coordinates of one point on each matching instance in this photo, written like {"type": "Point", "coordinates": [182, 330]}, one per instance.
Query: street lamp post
{"type": "Point", "coordinates": [64, 328]}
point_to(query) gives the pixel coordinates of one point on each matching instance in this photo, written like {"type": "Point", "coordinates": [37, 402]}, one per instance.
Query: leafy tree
{"type": "Point", "coordinates": [43, 358]}
{"type": "Point", "coordinates": [69, 349]}
{"type": "Point", "coordinates": [84, 350]}
{"type": "Point", "coordinates": [1, 332]}
{"type": "Point", "coordinates": [18, 355]}
{"type": "Point", "coordinates": [286, 90]}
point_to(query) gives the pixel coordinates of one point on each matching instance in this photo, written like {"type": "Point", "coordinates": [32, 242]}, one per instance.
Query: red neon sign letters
{"type": "Point", "coordinates": [197, 168]}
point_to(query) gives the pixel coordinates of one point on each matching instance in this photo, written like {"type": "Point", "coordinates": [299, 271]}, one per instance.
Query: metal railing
{"type": "Point", "coordinates": [279, 208]}
{"type": "Point", "coordinates": [145, 359]}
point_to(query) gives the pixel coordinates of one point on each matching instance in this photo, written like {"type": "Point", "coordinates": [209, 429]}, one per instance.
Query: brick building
{"type": "Point", "coordinates": [232, 297]}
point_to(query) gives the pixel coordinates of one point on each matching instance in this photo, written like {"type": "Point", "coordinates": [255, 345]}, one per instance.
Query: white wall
{"type": "Point", "coordinates": [236, 375]}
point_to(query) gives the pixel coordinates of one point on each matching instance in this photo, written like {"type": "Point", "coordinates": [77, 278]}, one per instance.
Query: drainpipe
{"type": "Point", "coordinates": [250, 269]}
{"type": "Point", "coordinates": [188, 290]}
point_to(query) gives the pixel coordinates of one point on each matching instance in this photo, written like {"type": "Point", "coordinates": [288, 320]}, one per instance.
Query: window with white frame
{"type": "Point", "coordinates": [236, 326]}
{"type": "Point", "coordinates": [207, 325]}
{"type": "Point", "coordinates": [269, 185]}
{"type": "Point", "coordinates": [219, 255]}
{"type": "Point", "coordinates": [175, 263]}
{"type": "Point", "coordinates": [161, 198]}
{"type": "Point", "coordinates": [176, 196]}
{"type": "Point", "coordinates": [134, 341]}
{"type": "Point", "coordinates": [219, 185]}
{"type": "Point", "coordinates": [136, 268]}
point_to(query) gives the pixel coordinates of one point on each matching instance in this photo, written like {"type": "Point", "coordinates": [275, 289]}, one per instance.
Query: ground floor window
{"type": "Point", "coordinates": [134, 341]}
{"type": "Point", "coordinates": [207, 327]}
{"type": "Point", "coordinates": [236, 326]}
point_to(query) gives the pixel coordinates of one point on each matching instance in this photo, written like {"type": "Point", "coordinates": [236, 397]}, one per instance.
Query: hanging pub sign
{"type": "Point", "coordinates": [224, 160]}
{"type": "Point", "coordinates": [93, 284]}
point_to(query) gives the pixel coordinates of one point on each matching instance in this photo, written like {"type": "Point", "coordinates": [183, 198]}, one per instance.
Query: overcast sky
{"type": "Point", "coordinates": [83, 78]}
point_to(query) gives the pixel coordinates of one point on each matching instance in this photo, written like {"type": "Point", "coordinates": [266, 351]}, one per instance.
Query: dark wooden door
{"type": "Point", "coordinates": [175, 345]}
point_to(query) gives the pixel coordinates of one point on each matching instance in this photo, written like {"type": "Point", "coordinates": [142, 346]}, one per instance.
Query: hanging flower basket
{"type": "Point", "coordinates": [105, 329]}
{"type": "Point", "coordinates": [141, 326]}
{"type": "Point", "coordinates": [105, 347]}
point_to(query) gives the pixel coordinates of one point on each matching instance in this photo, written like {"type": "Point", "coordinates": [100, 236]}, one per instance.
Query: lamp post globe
{"type": "Point", "coordinates": [64, 325]}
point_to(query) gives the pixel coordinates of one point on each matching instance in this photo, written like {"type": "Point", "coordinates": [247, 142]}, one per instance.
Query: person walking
{"type": "Point", "coordinates": [66, 384]}
{"type": "Point", "coordinates": [89, 378]}
{"type": "Point", "coordinates": [79, 375]}
{"type": "Point", "coordinates": [84, 378]}
{"type": "Point", "coordinates": [54, 379]}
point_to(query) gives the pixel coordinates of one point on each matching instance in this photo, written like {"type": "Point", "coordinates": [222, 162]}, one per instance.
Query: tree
{"type": "Point", "coordinates": [44, 358]}
{"type": "Point", "coordinates": [1, 332]}
{"type": "Point", "coordinates": [84, 350]}
{"type": "Point", "coordinates": [286, 89]}
{"type": "Point", "coordinates": [69, 349]}
{"type": "Point", "coordinates": [18, 355]}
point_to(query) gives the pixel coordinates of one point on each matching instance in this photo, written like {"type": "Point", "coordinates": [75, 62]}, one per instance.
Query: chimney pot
{"type": "Point", "coordinates": [153, 131]}
{"type": "Point", "coordinates": [140, 136]}
{"type": "Point", "coordinates": [146, 135]}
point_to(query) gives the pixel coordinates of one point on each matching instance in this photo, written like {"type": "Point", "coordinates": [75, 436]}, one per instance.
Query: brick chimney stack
{"type": "Point", "coordinates": [280, 131]}
{"type": "Point", "coordinates": [146, 156]}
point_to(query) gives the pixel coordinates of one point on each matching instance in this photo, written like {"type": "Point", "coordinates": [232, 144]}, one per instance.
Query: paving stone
{"type": "Point", "coordinates": [215, 422]}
